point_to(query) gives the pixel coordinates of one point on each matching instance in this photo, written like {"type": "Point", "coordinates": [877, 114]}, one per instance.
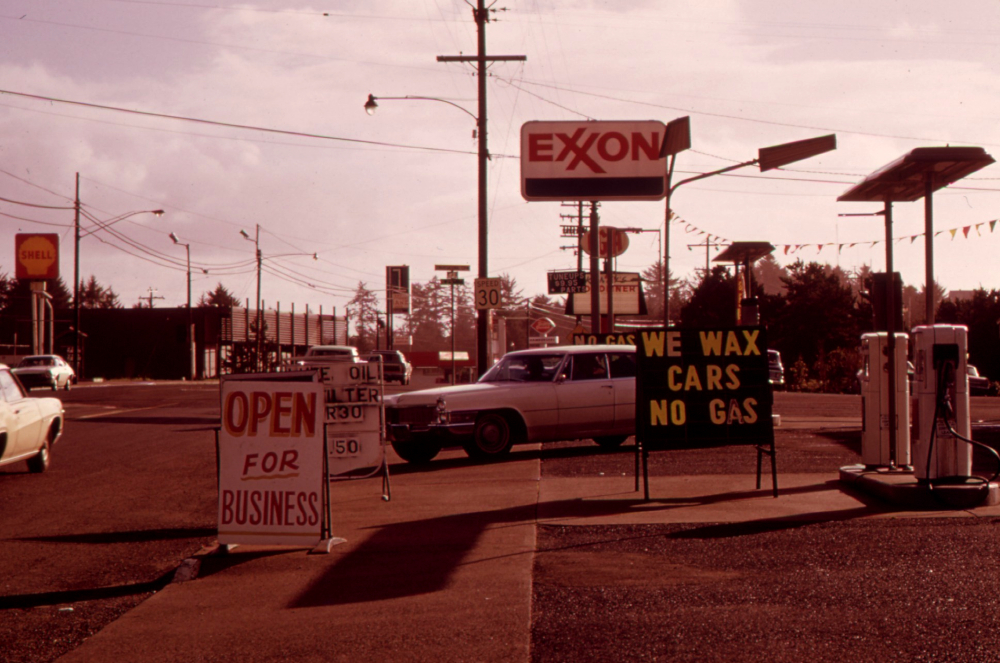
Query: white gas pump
{"type": "Point", "coordinates": [940, 389]}
{"type": "Point", "coordinates": [875, 438]}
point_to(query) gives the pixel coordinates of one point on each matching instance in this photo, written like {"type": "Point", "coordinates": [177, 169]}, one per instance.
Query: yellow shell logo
{"type": "Point", "coordinates": [37, 255]}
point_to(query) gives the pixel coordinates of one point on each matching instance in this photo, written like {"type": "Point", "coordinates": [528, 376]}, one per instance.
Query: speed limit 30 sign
{"type": "Point", "coordinates": [488, 293]}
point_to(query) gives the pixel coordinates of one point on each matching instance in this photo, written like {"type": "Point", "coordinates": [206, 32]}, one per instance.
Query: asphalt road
{"type": "Point", "coordinates": [131, 493]}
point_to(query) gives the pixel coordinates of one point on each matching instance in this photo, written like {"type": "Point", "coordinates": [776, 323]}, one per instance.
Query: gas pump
{"type": "Point", "coordinates": [876, 450]}
{"type": "Point", "coordinates": [940, 398]}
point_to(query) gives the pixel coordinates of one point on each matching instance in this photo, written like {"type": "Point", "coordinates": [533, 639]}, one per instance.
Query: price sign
{"type": "Point", "coordinates": [345, 413]}
{"type": "Point", "coordinates": [347, 452]}
{"type": "Point", "coordinates": [488, 293]}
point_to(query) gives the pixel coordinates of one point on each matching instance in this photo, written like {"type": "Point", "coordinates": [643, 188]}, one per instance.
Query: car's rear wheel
{"type": "Point", "coordinates": [416, 452]}
{"type": "Point", "coordinates": [68, 385]}
{"type": "Point", "coordinates": [493, 437]}
{"type": "Point", "coordinates": [610, 441]}
{"type": "Point", "coordinates": [40, 461]}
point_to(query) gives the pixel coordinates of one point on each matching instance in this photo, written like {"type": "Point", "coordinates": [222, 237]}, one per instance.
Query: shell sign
{"type": "Point", "coordinates": [37, 256]}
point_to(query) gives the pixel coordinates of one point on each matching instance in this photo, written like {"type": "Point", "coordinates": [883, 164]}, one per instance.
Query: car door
{"type": "Point", "coordinates": [623, 370]}
{"type": "Point", "coordinates": [586, 397]}
{"type": "Point", "coordinates": [21, 418]}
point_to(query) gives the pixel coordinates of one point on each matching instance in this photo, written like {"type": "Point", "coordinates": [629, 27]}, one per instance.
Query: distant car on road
{"type": "Point", "coordinates": [978, 385]}
{"type": "Point", "coordinates": [333, 353]}
{"type": "Point", "coordinates": [49, 371]}
{"type": "Point", "coordinates": [775, 369]}
{"type": "Point", "coordinates": [28, 426]}
{"type": "Point", "coordinates": [537, 395]}
{"type": "Point", "coordinates": [394, 365]}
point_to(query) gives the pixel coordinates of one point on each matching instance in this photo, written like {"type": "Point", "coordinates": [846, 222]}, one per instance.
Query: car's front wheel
{"type": "Point", "coordinates": [416, 452]}
{"type": "Point", "coordinates": [493, 437]}
{"type": "Point", "coordinates": [610, 441]}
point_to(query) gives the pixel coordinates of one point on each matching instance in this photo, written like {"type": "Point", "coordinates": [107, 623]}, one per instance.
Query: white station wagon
{"type": "Point", "coordinates": [539, 395]}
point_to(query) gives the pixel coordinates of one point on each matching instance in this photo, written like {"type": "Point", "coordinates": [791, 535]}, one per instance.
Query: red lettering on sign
{"type": "Point", "coordinates": [538, 150]}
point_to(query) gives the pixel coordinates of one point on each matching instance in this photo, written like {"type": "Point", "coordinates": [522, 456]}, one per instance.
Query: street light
{"type": "Point", "coordinates": [76, 266]}
{"type": "Point", "coordinates": [677, 138]}
{"type": "Point", "coordinates": [188, 336]}
{"type": "Point", "coordinates": [483, 157]}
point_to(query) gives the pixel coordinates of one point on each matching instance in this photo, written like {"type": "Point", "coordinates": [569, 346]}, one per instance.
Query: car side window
{"type": "Point", "coordinates": [589, 367]}
{"type": "Point", "coordinates": [9, 387]}
{"type": "Point", "coordinates": [622, 365]}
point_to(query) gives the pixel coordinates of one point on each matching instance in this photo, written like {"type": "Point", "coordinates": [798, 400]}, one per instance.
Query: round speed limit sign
{"type": "Point", "coordinates": [487, 293]}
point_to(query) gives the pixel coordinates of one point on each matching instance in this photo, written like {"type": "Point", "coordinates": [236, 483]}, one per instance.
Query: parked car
{"type": "Point", "coordinates": [28, 426]}
{"type": "Point", "coordinates": [324, 353]}
{"type": "Point", "coordinates": [50, 371]}
{"type": "Point", "coordinates": [775, 369]}
{"type": "Point", "coordinates": [537, 395]}
{"type": "Point", "coordinates": [978, 385]}
{"type": "Point", "coordinates": [395, 368]}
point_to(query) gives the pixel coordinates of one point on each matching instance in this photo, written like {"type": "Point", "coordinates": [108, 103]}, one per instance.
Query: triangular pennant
{"type": "Point", "coordinates": [977, 229]}
{"type": "Point", "coordinates": [965, 231]}
{"type": "Point", "coordinates": [914, 238]}
{"type": "Point", "coordinates": [787, 246]}
{"type": "Point", "coordinates": [992, 223]}
{"type": "Point", "coordinates": [952, 231]}
{"type": "Point", "coordinates": [819, 248]}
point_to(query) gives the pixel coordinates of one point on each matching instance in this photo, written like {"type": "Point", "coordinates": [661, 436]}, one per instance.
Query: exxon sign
{"type": "Point", "coordinates": [593, 161]}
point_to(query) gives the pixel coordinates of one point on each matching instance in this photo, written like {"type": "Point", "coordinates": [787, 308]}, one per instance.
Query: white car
{"type": "Point", "coordinates": [49, 371]}
{"type": "Point", "coordinates": [28, 426]}
{"type": "Point", "coordinates": [539, 395]}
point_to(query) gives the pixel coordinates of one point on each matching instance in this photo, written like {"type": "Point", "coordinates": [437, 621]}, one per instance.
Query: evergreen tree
{"type": "Point", "coordinates": [364, 312]}
{"type": "Point", "coordinates": [220, 297]}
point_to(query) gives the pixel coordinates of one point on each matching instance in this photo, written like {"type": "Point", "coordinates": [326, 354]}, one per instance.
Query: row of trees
{"type": "Point", "coordinates": [815, 314]}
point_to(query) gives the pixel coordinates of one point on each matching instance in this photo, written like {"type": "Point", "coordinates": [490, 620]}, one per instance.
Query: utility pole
{"type": "Point", "coordinates": [708, 245]}
{"type": "Point", "coordinates": [151, 296]}
{"type": "Point", "coordinates": [76, 280]}
{"type": "Point", "coordinates": [481, 15]}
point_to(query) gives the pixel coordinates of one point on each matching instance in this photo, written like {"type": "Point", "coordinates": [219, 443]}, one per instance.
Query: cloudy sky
{"type": "Point", "coordinates": [231, 116]}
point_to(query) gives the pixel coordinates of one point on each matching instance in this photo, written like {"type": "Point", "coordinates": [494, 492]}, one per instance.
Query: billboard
{"type": "Point", "coordinates": [627, 296]}
{"type": "Point", "coordinates": [36, 256]}
{"type": "Point", "coordinates": [593, 161]}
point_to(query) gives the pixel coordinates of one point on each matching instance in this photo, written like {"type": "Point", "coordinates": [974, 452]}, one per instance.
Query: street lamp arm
{"type": "Point", "coordinates": [101, 225]}
{"type": "Point", "coordinates": [714, 172]}
{"type": "Point", "coordinates": [371, 106]}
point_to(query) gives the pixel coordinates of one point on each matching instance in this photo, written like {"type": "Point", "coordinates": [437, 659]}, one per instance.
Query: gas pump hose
{"type": "Point", "coordinates": [942, 409]}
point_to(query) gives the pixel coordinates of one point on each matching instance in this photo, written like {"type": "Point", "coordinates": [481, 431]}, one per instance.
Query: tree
{"type": "Point", "coordinates": [364, 311]}
{"type": "Point", "coordinates": [94, 295]}
{"type": "Point", "coordinates": [981, 315]}
{"type": "Point", "coordinates": [819, 324]}
{"type": "Point", "coordinates": [652, 288]}
{"type": "Point", "coordinates": [713, 302]}
{"type": "Point", "coordinates": [219, 297]}
{"type": "Point", "coordinates": [428, 309]}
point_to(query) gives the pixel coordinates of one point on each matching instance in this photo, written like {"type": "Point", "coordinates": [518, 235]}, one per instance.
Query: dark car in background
{"type": "Point", "coordinates": [394, 365]}
{"type": "Point", "coordinates": [775, 369]}
{"type": "Point", "coordinates": [978, 385]}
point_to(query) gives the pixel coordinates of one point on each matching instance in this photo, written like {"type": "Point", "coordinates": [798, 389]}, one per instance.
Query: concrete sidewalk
{"type": "Point", "coordinates": [443, 571]}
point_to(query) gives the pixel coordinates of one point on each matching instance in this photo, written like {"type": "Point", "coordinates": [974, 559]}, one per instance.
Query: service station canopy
{"type": "Point", "coordinates": [906, 179]}
{"type": "Point", "coordinates": [593, 161]}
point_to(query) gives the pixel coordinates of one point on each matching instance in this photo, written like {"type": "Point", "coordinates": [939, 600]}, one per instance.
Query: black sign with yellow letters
{"type": "Point", "coordinates": [703, 388]}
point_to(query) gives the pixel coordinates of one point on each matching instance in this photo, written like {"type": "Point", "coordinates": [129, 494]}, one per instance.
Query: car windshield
{"type": "Point", "coordinates": [36, 361]}
{"type": "Point", "coordinates": [524, 368]}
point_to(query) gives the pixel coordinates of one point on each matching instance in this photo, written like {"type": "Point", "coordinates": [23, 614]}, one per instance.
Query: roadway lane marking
{"type": "Point", "coordinates": [117, 412]}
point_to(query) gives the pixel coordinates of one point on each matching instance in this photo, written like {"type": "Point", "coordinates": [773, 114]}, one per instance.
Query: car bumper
{"type": "Point", "coordinates": [32, 380]}
{"type": "Point", "coordinates": [441, 433]}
